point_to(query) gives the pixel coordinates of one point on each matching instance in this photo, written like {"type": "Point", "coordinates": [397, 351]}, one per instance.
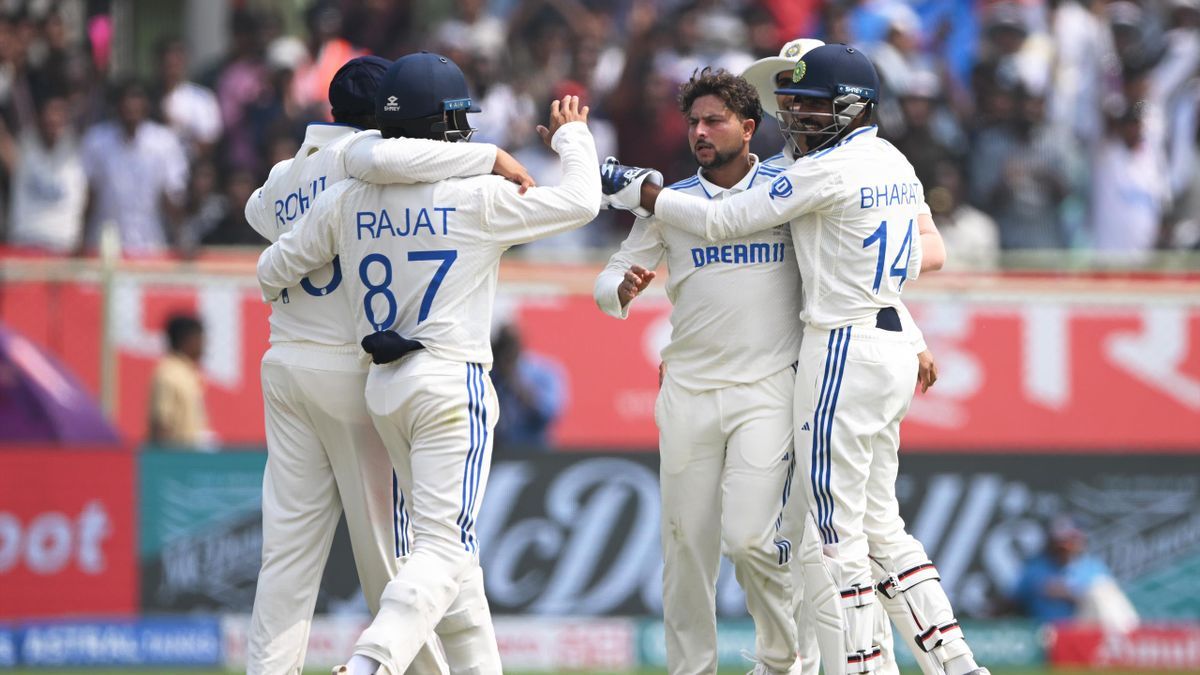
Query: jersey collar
{"type": "Point", "coordinates": [711, 190]}
{"type": "Point", "coordinates": [868, 131]}
{"type": "Point", "coordinates": [321, 134]}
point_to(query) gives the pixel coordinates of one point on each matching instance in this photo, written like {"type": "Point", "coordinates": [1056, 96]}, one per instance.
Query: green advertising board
{"type": "Point", "coordinates": [996, 643]}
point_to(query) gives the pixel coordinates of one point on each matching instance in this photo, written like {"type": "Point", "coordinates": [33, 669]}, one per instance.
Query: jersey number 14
{"type": "Point", "coordinates": [896, 270]}
{"type": "Point", "coordinates": [446, 257]}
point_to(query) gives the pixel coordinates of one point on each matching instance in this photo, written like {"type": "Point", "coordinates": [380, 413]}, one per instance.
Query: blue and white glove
{"type": "Point", "coordinates": [622, 186]}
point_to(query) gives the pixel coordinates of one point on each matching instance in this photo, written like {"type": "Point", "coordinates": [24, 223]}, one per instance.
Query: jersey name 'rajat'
{"type": "Point", "coordinates": [377, 223]}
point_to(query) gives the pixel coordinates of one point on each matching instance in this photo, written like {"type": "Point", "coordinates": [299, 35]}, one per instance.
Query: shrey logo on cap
{"type": "Point", "coordinates": [393, 104]}
{"type": "Point", "coordinates": [798, 71]}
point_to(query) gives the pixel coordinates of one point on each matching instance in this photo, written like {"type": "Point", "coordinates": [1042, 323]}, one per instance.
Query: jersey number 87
{"type": "Point", "coordinates": [446, 257]}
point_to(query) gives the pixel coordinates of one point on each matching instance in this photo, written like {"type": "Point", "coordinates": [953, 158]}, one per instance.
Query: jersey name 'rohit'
{"type": "Point", "coordinates": [412, 224]}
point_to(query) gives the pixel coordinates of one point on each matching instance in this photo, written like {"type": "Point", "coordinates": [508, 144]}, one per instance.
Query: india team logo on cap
{"type": "Point", "coordinates": [792, 51]}
{"type": "Point", "coordinates": [798, 71]}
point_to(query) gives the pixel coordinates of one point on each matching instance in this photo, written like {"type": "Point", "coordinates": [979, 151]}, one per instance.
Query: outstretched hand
{"type": "Point", "coordinates": [562, 112]}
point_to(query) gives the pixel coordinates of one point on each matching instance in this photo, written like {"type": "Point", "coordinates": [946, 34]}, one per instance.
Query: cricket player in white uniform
{"type": "Point", "coordinates": [323, 454]}
{"type": "Point", "coordinates": [724, 408]}
{"type": "Point", "coordinates": [767, 75]}
{"type": "Point", "coordinates": [855, 208]}
{"type": "Point", "coordinates": [421, 264]}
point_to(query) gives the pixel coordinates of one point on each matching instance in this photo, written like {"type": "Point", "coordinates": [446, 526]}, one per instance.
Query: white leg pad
{"type": "Point", "coordinates": [916, 601]}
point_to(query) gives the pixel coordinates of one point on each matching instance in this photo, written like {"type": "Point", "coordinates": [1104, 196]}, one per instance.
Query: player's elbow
{"type": "Point", "coordinates": [933, 260]}
{"type": "Point", "coordinates": [583, 208]}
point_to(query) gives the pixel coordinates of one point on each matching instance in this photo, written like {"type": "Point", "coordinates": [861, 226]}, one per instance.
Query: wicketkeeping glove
{"type": "Point", "coordinates": [622, 186]}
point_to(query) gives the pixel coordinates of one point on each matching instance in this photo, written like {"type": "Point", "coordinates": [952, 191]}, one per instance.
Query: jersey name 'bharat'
{"type": "Point", "coordinates": [374, 224]}
{"type": "Point", "coordinates": [883, 196]}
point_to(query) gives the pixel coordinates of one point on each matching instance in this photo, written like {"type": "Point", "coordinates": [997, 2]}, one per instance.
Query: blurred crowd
{"type": "Point", "coordinates": [1038, 124]}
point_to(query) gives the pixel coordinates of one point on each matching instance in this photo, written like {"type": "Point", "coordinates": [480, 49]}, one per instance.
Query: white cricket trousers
{"type": "Point", "coordinates": [853, 387]}
{"type": "Point", "coordinates": [725, 459]}
{"type": "Point", "coordinates": [323, 456]}
{"type": "Point", "coordinates": [436, 419]}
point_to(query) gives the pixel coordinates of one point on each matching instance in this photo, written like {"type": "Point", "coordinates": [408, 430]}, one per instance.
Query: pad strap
{"type": "Point", "coordinates": [936, 636]}
{"type": "Point", "coordinates": [900, 583]}
{"type": "Point", "coordinates": [858, 596]}
{"type": "Point", "coordinates": [864, 662]}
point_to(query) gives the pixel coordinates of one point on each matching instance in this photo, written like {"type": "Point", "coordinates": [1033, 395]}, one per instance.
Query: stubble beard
{"type": "Point", "coordinates": [719, 158]}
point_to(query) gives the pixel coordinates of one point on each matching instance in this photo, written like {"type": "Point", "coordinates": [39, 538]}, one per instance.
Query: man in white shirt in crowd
{"type": "Point", "coordinates": [189, 109]}
{"type": "Point", "coordinates": [48, 184]}
{"type": "Point", "coordinates": [137, 173]}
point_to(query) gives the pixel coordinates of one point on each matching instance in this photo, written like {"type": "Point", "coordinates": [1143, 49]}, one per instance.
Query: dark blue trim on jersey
{"type": "Point", "coordinates": [476, 450]}
{"type": "Point", "coordinates": [685, 183]}
{"type": "Point", "coordinates": [785, 551]}
{"type": "Point", "coordinates": [772, 158]}
{"type": "Point", "coordinates": [835, 146]}
{"type": "Point", "coordinates": [703, 189]}
{"type": "Point", "coordinates": [757, 168]}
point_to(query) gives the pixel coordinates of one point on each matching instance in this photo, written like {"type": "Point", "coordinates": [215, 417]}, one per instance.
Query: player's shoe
{"type": "Point", "coordinates": [622, 185]}
{"type": "Point", "coordinates": [340, 670]}
{"type": "Point", "coordinates": [980, 671]}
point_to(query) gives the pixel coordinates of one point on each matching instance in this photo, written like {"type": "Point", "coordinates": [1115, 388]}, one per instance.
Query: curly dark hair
{"type": "Point", "coordinates": [738, 94]}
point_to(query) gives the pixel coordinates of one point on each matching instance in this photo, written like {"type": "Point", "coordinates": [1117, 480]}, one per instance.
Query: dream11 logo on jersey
{"type": "Point", "coordinates": [66, 533]}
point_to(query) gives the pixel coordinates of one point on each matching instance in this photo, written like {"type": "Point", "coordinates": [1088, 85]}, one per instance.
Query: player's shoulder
{"type": "Point", "coordinates": [778, 163]}
{"type": "Point", "coordinates": [689, 184]}
{"type": "Point", "coordinates": [277, 174]}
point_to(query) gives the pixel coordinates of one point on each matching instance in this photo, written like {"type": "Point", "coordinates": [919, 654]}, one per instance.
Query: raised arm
{"type": "Point", "coordinates": [640, 253]}
{"type": "Point", "coordinates": [803, 188]}
{"type": "Point", "coordinates": [375, 159]}
{"type": "Point", "coordinates": [544, 211]}
{"type": "Point", "coordinates": [309, 245]}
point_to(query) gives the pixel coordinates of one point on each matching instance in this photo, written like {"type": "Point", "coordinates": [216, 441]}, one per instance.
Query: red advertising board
{"type": "Point", "coordinates": [66, 533]}
{"type": "Point", "coordinates": [1019, 369]}
{"type": "Point", "coordinates": [1166, 647]}
{"type": "Point", "coordinates": [1034, 374]}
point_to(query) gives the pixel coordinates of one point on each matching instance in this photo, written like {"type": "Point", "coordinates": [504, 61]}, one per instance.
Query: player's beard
{"type": "Point", "coordinates": [718, 159]}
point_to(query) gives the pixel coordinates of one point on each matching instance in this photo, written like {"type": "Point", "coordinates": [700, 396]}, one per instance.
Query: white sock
{"type": "Point", "coordinates": [362, 665]}
{"type": "Point", "coordinates": [959, 665]}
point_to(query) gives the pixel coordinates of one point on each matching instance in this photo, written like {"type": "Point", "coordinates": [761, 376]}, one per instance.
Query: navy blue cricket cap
{"type": "Point", "coordinates": [831, 71]}
{"type": "Point", "coordinates": [352, 89]}
{"type": "Point", "coordinates": [421, 85]}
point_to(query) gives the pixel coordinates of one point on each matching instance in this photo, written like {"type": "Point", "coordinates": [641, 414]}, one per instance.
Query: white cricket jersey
{"type": "Point", "coordinates": [783, 160]}
{"type": "Point", "coordinates": [422, 260]}
{"type": "Point", "coordinates": [735, 302]}
{"type": "Point", "coordinates": [330, 153]}
{"type": "Point", "coordinates": [853, 211]}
